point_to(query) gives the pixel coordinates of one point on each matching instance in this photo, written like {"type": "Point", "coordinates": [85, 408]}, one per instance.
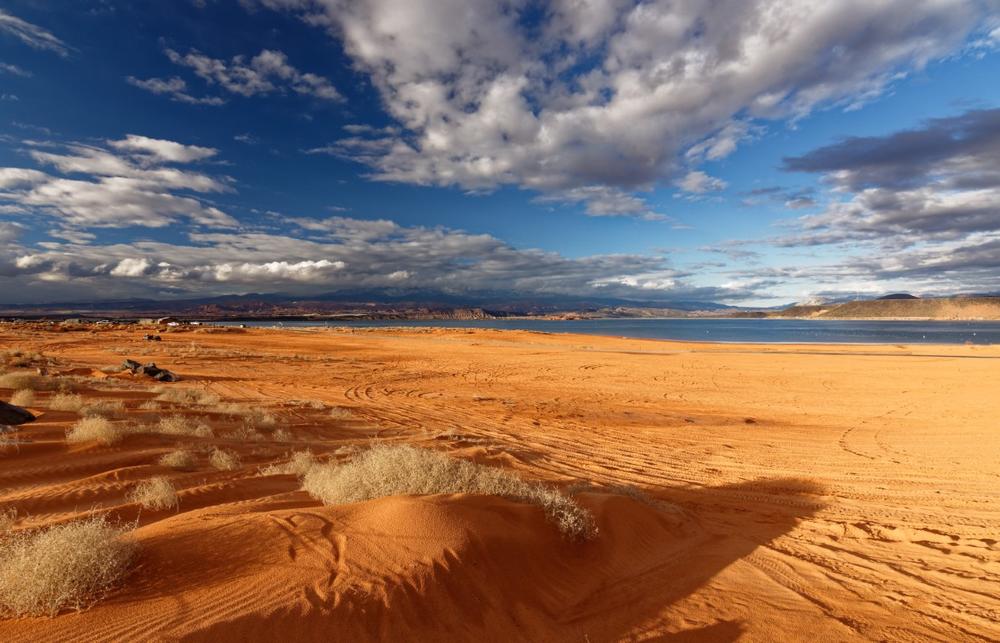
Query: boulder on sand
{"type": "Point", "coordinates": [149, 370]}
{"type": "Point", "coordinates": [13, 415]}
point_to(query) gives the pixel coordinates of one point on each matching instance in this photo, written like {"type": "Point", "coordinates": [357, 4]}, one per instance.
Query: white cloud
{"type": "Point", "coordinates": [612, 94]}
{"type": "Point", "coordinates": [131, 186]}
{"type": "Point", "coordinates": [131, 267]}
{"type": "Point", "coordinates": [174, 87]}
{"type": "Point", "coordinates": [697, 182]}
{"type": "Point", "coordinates": [31, 35]}
{"type": "Point", "coordinates": [340, 253]}
{"type": "Point", "coordinates": [14, 70]}
{"type": "Point", "coordinates": [164, 150]}
{"type": "Point", "coordinates": [267, 72]}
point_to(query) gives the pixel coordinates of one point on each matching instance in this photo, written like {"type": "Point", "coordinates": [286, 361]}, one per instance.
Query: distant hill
{"type": "Point", "coordinates": [902, 307]}
{"type": "Point", "coordinates": [900, 295]}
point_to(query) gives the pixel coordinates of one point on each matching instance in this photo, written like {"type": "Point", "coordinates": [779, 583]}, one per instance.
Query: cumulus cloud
{"type": "Point", "coordinates": [697, 182]}
{"type": "Point", "coordinates": [938, 181]}
{"type": "Point", "coordinates": [31, 35]}
{"type": "Point", "coordinates": [132, 182]}
{"type": "Point", "coordinates": [339, 253]}
{"type": "Point", "coordinates": [175, 88]}
{"type": "Point", "coordinates": [612, 94]}
{"type": "Point", "coordinates": [267, 72]}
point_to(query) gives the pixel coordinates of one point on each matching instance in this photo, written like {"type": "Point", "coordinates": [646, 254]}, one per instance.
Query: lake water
{"type": "Point", "coordinates": [721, 330]}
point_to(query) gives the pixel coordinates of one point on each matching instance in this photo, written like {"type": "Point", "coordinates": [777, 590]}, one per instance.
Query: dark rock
{"type": "Point", "coordinates": [14, 415]}
{"type": "Point", "coordinates": [161, 374]}
{"type": "Point", "coordinates": [131, 365]}
{"type": "Point", "coordinates": [153, 338]}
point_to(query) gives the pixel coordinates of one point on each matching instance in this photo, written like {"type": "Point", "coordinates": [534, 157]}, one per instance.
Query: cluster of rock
{"type": "Point", "coordinates": [11, 416]}
{"type": "Point", "coordinates": [149, 370]}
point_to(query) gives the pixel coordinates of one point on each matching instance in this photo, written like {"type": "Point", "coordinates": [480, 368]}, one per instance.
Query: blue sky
{"type": "Point", "coordinates": [652, 151]}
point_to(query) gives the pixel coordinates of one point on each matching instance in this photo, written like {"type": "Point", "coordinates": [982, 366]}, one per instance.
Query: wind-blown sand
{"type": "Point", "coordinates": [800, 492]}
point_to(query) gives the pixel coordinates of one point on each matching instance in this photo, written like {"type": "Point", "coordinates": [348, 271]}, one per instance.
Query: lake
{"type": "Point", "coordinates": [719, 330]}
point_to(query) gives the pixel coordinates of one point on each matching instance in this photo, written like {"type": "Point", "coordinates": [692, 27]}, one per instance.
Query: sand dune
{"type": "Point", "coordinates": [792, 492]}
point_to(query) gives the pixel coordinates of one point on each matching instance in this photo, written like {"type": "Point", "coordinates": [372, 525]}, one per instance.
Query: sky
{"type": "Point", "coordinates": [746, 152]}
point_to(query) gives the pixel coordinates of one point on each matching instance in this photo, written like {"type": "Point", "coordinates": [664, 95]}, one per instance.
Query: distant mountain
{"type": "Point", "coordinates": [902, 307]}
{"type": "Point", "coordinates": [899, 295]}
{"type": "Point", "coordinates": [365, 303]}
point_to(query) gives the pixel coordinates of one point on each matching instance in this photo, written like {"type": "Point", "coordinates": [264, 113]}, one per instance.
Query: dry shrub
{"type": "Point", "coordinates": [183, 425]}
{"type": "Point", "coordinates": [65, 566]}
{"type": "Point", "coordinates": [95, 429]}
{"type": "Point", "coordinates": [7, 520]}
{"type": "Point", "coordinates": [106, 408]}
{"type": "Point", "coordinates": [23, 397]}
{"type": "Point", "coordinates": [224, 460]}
{"type": "Point", "coordinates": [282, 435]}
{"type": "Point", "coordinates": [405, 470]}
{"type": "Point", "coordinates": [246, 434]}
{"type": "Point", "coordinates": [181, 459]}
{"type": "Point", "coordinates": [66, 402]}
{"type": "Point", "coordinates": [22, 380]}
{"type": "Point", "coordinates": [253, 417]}
{"type": "Point", "coordinates": [186, 396]}
{"type": "Point", "coordinates": [20, 359]}
{"type": "Point", "coordinates": [155, 494]}
{"type": "Point", "coordinates": [298, 464]}
{"type": "Point", "coordinates": [149, 405]}
{"type": "Point", "coordinates": [340, 413]}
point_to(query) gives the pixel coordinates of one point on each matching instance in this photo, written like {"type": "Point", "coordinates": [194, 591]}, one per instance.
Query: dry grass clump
{"type": "Point", "coordinates": [23, 397]}
{"type": "Point", "coordinates": [66, 402]}
{"type": "Point", "coordinates": [96, 429]}
{"type": "Point", "coordinates": [246, 434]}
{"type": "Point", "coordinates": [298, 464]}
{"type": "Point", "coordinates": [224, 460]}
{"type": "Point", "coordinates": [405, 470]}
{"type": "Point", "coordinates": [186, 396]}
{"type": "Point", "coordinates": [65, 566]}
{"type": "Point", "coordinates": [253, 417]}
{"type": "Point", "coordinates": [22, 380]}
{"type": "Point", "coordinates": [183, 425]}
{"type": "Point", "coordinates": [340, 413]}
{"type": "Point", "coordinates": [155, 494]}
{"type": "Point", "coordinates": [180, 459]}
{"type": "Point", "coordinates": [105, 408]}
{"type": "Point", "coordinates": [20, 359]}
{"type": "Point", "coordinates": [150, 405]}
{"type": "Point", "coordinates": [7, 520]}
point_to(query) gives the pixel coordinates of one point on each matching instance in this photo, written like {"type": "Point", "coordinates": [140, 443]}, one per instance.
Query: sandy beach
{"type": "Point", "coordinates": [741, 492]}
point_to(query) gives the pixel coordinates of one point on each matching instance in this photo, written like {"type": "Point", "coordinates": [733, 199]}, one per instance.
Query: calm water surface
{"type": "Point", "coordinates": [722, 330]}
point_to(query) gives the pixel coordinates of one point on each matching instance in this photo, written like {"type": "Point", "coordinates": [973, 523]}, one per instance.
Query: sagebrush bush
{"type": "Point", "coordinates": [155, 494]}
{"type": "Point", "coordinates": [186, 396]}
{"type": "Point", "coordinates": [224, 460]}
{"type": "Point", "coordinates": [405, 470]}
{"type": "Point", "coordinates": [43, 572]}
{"type": "Point", "coordinates": [21, 380]}
{"type": "Point", "coordinates": [183, 425]}
{"type": "Point", "coordinates": [95, 429]}
{"type": "Point", "coordinates": [340, 413]}
{"type": "Point", "coordinates": [66, 402]}
{"type": "Point", "coordinates": [298, 464]}
{"type": "Point", "coordinates": [178, 459]}
{"type": "Point", "coordinates": [7, 520]}
{"type": "Point", "coordinates": [23, 397]}
{"type": "Point", "coordinates": [106, 408]}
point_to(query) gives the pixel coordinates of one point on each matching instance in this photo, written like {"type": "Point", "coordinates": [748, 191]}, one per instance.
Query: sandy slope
{"type": "Point", "coordinates": [807, 492]}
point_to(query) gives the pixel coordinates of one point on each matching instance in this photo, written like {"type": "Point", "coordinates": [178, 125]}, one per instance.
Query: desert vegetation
{"type": "Point", "coordinates": [299, 464]}
{"type": "Point", "coordinates": [95, 429]}
{"type": "Point", "coordinates": [180, 459]}
{"type": "Point", "coordinates": [156, 494]}
{"type": "Point", "coordinates": [66, 402]}
{"type": "Point", "coordinates": [385, 470]}
{"type": "Point", "coordinates": [224, 460]}
{"type": "Point", "coordinates": [69, 566]}
{"type": "Point", "coordinates": [23, 397]}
